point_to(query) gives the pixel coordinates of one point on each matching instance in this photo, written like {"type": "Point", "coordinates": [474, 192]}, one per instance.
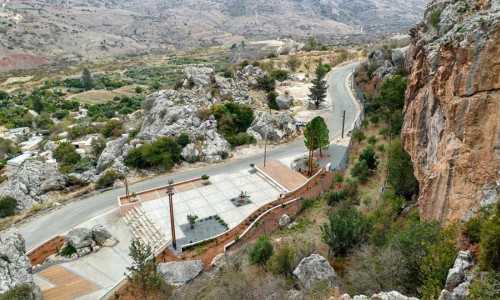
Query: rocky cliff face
{"type": "Point", "coordinates": [452, 111]}
{"type": "Point", "coordinates": [15, 266]}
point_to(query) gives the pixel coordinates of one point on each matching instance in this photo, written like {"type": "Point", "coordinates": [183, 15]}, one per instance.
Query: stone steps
{"type": "Point", "coordinates": [144, 229]}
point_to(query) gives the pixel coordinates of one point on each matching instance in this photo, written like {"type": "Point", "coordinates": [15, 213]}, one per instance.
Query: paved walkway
{"type": "Point", "coordinates": [59, 283]}
{"type": "Point", "coordinates": [283, 175]}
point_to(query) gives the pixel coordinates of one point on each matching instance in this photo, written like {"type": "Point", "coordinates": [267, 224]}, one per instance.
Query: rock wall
{"type": "Point", "coordinates": [452, 110]}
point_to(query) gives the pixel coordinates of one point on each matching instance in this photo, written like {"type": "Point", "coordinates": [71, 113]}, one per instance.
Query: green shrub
{"type": "Point", "coordinates": [266, 83]}
{"type": "Point", "coordinates": [163, 154]}
{"type": "Point", "coordinates": [67, 251]}
{"type": "Point", "coordinates": [489, 258]}
{"type": "Point", "coordinates": [372, 140]}
{"type": "Point", "coordinates": [183, 140]}
{"type": "Point", "coordinates": [112, 128]}
{"type": "Point", "coordinates": [239, 139]}
{"type": "Point", "coordinates": [283, 261]}
{"type": "Point", "coordinates": [108, 179]}
{"type": "Point", "coordinates": [374, 119]}
{"type": "Point", "coordinates": [485, 286]}
{"type": "Point", "coordinates": [400, 176]}
{"type": "Point", "coordinates": [307, 203]}
{"type": "Point", "coordinates": [434, 17]}
{"type": "Point", "coordinates": [66, 154]}
{"type": "Point", "coordinates": [333, 197]}
{"type": "Point", "coordinates": [8, 206]}
{"type": "Point", "coordinates": [280, 75]}
{"type": "Point", "coordinates": [19, 292]}
{"type": "Point", "coordinates": [361, 171]}
{"type": "Point", "coordinates": [358, 136]}
{"type": "Point", "coordinates": [369, 156]}
{"type": "Point", "coordinates": [261, 251]}
{"type": "Point", "coordinates": [346, 229]}
{"type": "Point", "coordinates": [271, 100]}
{"type": "Point", "coordinates": [338, 177]}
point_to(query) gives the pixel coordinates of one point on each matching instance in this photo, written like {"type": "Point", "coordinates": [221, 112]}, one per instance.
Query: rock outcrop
{"type": "Point", "coordinates": [452, 109]}
{"type": "Point", "coordinates": [277, 127]}
{"type": "Point", "coordinates": [179, 273]}
{"type": "Point", "coordinates": [312, 269]}
{"type": "Point", "coordinates": [112, 155]}
{"type": "Point", "coordinates": [457, 281]}
{"type": "Point", "coordinates": [392, 295]}
{"type": "Point", "coordinates": [284, 101]}
{"type": "Point", "coordinates": [80, 237]}
{"type": "Point", "coordinates": [15, 266]}
{"type": "Point", "coordinates": [31, 184]}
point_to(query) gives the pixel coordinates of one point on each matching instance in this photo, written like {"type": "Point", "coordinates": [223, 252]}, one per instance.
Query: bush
{"type": "Point", "coordinates": [163, 154]}
{"type": "Point", "coordinates": [283, 261]}
{"type": "Point", "coordinates": [8, 206]}
{"type": "Point", "coordinates": [485, 286]}
{"type": "Point", "coordinates": [261, 251]}
{"type": "Point", "coordinates": [361, 171]}
{"type": "Point", "coordinates": [280, 75]}
{"type": "Point", "coordinates": [266, 83]}
{"type": "Point", "coordinates": [372, 140]}
{"type": "Point", "coordinates": [434, 17]}
{"type": "Point", "coordinates": [271, 100]}
{"type": "Point", "coordinates": [66, 154]}
{"type": "Point", "coordinates": [358, 136]}
{"type": "Point", "coordinates": [112, 128]}
{"type": "Point", "coordinates": [183, 140]}
{"type": "Point", "coordinates": [239, 139]}
{"type": "Point", "coordinates": [21, 291]}
{"type": "Point", "coordinates": [107, 180]}
{"type": "Point", "coordinates": [400, 176]}
{"type": "Point", "coordinates": [334, 197]}
{"type": "Point", "coordinates": [368, 155]}
{"type": "Point", "coordinates": [489, 258]}
{"type": "Point", "coordinates": [67, 251]}
{"type": "Point", "coordinates": [338, 177]}
{"type": "Point", "coordinates": [346, 229]}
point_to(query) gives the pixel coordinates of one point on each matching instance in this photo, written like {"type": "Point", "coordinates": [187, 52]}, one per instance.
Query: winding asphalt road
{"type": "Point", "coordinates": [65, 218]}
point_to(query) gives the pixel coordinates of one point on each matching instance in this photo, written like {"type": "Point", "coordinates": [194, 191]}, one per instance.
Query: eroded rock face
{"type": "Point", "coordinates": [32, 182]}
{"type": "Point", "coordinates": [277, 127]}
{"type": "Point", "coordinates": [452, 110]}
{"type": "Point", "coordinates": [15, 266]}
{"type": "Point", "coordinates": [179, 273]}
{"type": "Point", "coordinates": [312, 269]}
{"type": "Point", "coordinates": [457, 281]}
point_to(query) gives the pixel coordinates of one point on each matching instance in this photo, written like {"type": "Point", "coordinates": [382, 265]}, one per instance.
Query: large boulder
{"type": "Point", "coordinates": [80, 237]}
{"type": "Point", "coordinates": [215, 147]}
{"type": "Point", "coordinates": [34, 179]}
{"type": "Point", "coordinates": [199, 76]}
{"type": "Point", "coordinates": [100, 234]}
{"type": "Point", "coordinates": [277, 127]}
{"type": "Point", "coordinates": [284, 220]}
{"type": "Point", "coordinates": [399, 57]}
{"type": "Point", "coordinates": [179, 273]}
{"type": "Point", "coordinates": [312, 269]}
{"type": "Point", "coordinates": [15, 266]}
{"type": "Point", "coordinates": [113, 152]}
{"type": "Point", "coordinates": [284, 101]}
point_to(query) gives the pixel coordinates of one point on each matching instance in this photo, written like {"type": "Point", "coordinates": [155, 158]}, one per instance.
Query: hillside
{"type": "Point", "coordinates": [95, 30]}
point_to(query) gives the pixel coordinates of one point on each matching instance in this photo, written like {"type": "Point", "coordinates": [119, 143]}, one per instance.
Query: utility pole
{"type": "Point", "coordinates": [265, 146]}
{"type": "Point", "coordinates": [311, 152]}
{"type": "Point", "coordinates": [126, 189]}
{"type": "Point", "coordinates": [343, 123]}
{"type": "Point", "coordinates": [170, 193]}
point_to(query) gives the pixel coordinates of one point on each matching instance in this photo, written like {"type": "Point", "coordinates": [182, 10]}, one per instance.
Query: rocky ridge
{"type": "Point", "coordinates": [452, 121]}
{"type": "Point", "coordinates": [31, 184]}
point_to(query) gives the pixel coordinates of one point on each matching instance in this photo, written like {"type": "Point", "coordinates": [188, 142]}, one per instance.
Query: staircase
{"type": "Point", "coordinates": [144, 229]}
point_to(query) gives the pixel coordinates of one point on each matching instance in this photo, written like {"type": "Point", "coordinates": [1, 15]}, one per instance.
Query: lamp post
{"type": "Point", "coordinates": [170, 193]}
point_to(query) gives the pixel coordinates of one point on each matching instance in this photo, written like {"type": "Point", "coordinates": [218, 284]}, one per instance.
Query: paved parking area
{"type": "Point", "coordinates": [213, 199]}
{"type": "Point", "coordinates": [285, 177]}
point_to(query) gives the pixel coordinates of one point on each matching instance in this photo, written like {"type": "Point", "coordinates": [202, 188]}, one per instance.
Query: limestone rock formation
{"type": "Point", "coordinates": [112, 155]}
{"type": "Point", "coordinates": [457, 282]}
{"type": "Point", "coordinates": [179, 273]}
{"type": "Point", "coordinates": [284, 101]}
{"type": "Point", "coordinates": [312, 269]}
{"type": "Point", "coordinates": [277, 127]}
{"type": "Point", "coordinates": [15, 266]}
{"type": "Point", "coordinates": [198, 76]}
{"type": "Point", "coordinates": [80, 238]}
{"type": "Point", "coordinates": [100, 234]}
{"type": "Point", "coordinates": [452, 109]}
{"type": "Point", "coordinates": [32, 182]}
{"type": "Point", "coordinates": [392, 295]}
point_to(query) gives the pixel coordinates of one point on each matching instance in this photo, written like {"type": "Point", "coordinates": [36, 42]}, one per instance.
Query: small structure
{"type": "Point", "coordinates": [31, 144]}
{"type": "Point", "coordinates": [17, 132]}
{"type": "Point", "coordinates": [4, 132]}
{"type": "Point", "coordinates": [85, 146]}
{"type": "Point", "coordinates": [17, 161]}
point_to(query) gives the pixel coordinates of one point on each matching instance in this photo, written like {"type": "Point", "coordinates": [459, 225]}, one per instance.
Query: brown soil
{"type": "Point", "coordinates": [38, 255]}
{"type": "Point", "coordinates": [20, 61]}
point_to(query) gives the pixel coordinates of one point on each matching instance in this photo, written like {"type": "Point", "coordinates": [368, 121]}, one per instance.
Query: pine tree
{"type": "Point", "coordinates": [318, 90]}
{"type": "Point", "coordinates": [87, 81]}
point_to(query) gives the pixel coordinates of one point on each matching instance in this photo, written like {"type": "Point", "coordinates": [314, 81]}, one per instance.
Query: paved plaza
{"type": "Point", "coordinates": [212, 199]}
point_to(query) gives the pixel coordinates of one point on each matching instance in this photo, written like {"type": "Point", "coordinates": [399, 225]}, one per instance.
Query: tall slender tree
{"type": "Point", "coordinates": [320, 134]}
{"type": "Point", "coordinates": [318, 90]}
{"type": "Point", "coordinates": [87, 81]}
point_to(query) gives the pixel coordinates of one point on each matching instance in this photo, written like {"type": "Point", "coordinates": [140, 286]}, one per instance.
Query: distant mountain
{"type": "Point", "coordinates": [93, 29]}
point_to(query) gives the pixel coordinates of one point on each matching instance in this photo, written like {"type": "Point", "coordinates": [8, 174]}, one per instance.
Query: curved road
{"type": "Point", "coordinates": [65, 218]}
